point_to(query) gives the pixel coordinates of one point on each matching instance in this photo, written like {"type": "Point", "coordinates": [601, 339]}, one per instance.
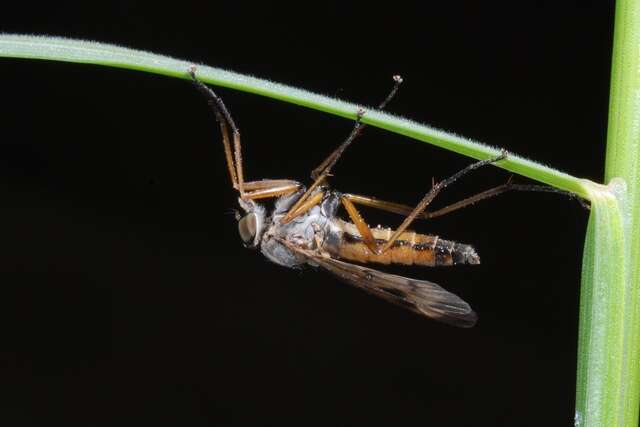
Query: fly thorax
{"type": "Point", "coordinates": [304, 230]}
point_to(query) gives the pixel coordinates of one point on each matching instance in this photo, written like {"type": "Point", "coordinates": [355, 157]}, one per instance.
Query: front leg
{"type": "Point", "coordinates": [270, 188]}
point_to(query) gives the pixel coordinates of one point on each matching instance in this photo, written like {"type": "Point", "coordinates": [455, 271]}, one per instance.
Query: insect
{"type": "Point", "coordinates": [303, 227]}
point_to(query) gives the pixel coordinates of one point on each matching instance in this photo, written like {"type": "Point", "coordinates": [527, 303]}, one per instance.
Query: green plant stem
{"type": "Point", "coordinates": [608, 383]}
{"type": "Point", "coordinates": [60, 49]}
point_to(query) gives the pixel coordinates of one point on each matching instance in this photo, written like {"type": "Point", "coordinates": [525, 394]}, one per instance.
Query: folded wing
{"type": "Point", "coordinates": [420, 296]}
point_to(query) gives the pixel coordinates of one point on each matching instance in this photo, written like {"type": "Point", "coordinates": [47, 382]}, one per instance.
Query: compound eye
{"type": "Point", "coordinates": [247, 228]}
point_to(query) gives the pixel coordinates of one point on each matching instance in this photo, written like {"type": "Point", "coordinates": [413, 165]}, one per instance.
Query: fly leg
{"type": "Point", "coordinates": [355, 132]}
{"type": "Point", "coordinates": [270, 188]}
{"type": "Point", "coordinates": [365, 231]}
{"type": "Point", "coordinates": [234, 158]}
{"type": "Point", "coordinates": [307, 205]}
{"type": "Point", "coordinates": [320, 173]}
{"type": "Point", "coordinates": [487, 194]}
{"type": "Point", "coordinates": [250, 190]}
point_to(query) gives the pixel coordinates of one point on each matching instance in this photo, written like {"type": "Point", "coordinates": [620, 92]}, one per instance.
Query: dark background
{"type": "Point", "coordinates": [126, 297]}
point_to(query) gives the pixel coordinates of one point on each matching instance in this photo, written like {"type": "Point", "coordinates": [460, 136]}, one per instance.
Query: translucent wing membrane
{"type": "Point", "coordinates": [420, 296]}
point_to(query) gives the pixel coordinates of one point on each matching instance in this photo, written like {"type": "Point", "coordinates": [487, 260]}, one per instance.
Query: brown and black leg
{"type": "Point", "coordinates": [320, 174]}
{"type": "Point", "coordinates": [405, 210]}
{"type": "Point", "coordinates": [411, 214]}
{"type": "Point", "coordinates": [250, 190]}
{"type": "Point", "coordinates": [358, 127]}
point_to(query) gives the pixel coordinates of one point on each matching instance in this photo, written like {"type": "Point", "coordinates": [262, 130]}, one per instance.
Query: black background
{"type": "Point", "coordinates": [126, 297]}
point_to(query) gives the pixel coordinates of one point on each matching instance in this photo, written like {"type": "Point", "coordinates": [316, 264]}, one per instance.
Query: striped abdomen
{"type": "Point", "coordinates": [410, 248]}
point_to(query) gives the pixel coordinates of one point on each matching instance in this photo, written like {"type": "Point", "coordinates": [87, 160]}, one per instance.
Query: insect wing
{"type": "Point", "coordinates": [420, 296]}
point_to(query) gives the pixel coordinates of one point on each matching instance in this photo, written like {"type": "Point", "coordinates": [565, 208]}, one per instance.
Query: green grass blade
{"type": "Point", "coordinates": [60, 49]}
{"type": "Point", "coordinates": [600, 382]}
{"type": "Point", "coordinates": [608, 384]}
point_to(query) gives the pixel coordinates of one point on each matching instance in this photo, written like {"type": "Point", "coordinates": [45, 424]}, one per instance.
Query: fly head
{"type": "Point", "coordinates": [251, 225]}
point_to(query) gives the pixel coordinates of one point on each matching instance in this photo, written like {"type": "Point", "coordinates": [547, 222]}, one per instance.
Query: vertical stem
{"type": "Point", "coordinates": [623, 160]}
{"type": "Point", "coordinates": [608, 385]}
